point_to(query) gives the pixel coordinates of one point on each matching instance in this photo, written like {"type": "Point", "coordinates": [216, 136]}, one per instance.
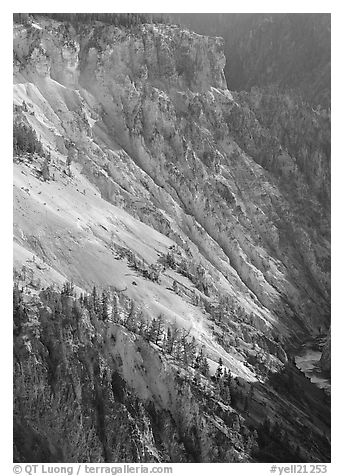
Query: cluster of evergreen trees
{"type": "Point", "coordinates": [224, 381]}
{"type": "Point", "coordinates": [149, 271]}
{"type": "Point", "coordinates": [194, 272]}
{"type": "Point", "coordinates": [171, 340]}
{"type": "Point", "coordinates": [117, 19]}
{"type": "Point", "coordinates": [25, 140]}
{"type": "Point", "coordinates": [116, 307]}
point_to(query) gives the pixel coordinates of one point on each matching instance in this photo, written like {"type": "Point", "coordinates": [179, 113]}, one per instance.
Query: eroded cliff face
{"type": "Point", "coordinates": [159, 93]}
{"type": "Point", "coordinates": [165, 160]}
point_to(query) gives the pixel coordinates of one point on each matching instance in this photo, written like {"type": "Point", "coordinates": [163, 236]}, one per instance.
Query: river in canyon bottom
{"type": "Point", "coordinates": [308, 361]}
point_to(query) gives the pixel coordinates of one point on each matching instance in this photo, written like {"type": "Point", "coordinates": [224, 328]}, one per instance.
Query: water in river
{"type": "Point", "coordinates": [308, 363]}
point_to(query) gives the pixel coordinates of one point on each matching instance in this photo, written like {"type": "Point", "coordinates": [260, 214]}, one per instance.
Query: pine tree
{"type": "Point", "coordinates": [17, 298]}
{"type": "Point", "coordinates": [170, 260]}
{"type": "Point", "coordinates": [45, 170]}
{"type": "Point", "coordinates": [57, 310]}
{"type": "Point", "coordinates": [164, 342]}
{"type": "Point", "coordinates": [86, 301]}
{"type": "Point", "coordinates": [196, 299]}
{"type": "Point", "coordinates": [175, 286]}
{"type": "Point", "coordinates": [204, 367]}
{"type": "Point", "coordinates": [130, 322]}
{"type": "Point", "coordinates": [70, 156]}
{"type": "Point", "coordinates": [198, 359]}
{"type": "Point", "coordinates": [68, 289]}
{"type": "Point", "coordinates": [169, 343]}
{"type": "Point", "coordinates": [81, 299]}
{"type": "Point", "coordinates": [104, 307]}
{"type": "Point", "coordinates": [172, 338]}
{"type": "Point", "coordinates": [19, 311]}
{"type": "Point", "coordinates": [197, 362]}
{"type": "Point", "coordinates": [159, 329]}
{"type": "Point", "coordinates": [219, 370]}
{"type": "Point", "coordinates": [192, 348]}
{"type": "Point", "coordinates": [76, 310]}
{"type": "Point", "coordinates": [225, 393]}
{"type": "Point", "coordinates": [185, 346]}
{"type": "Point", "coordinates": [153, 273]}
{"type": "Point", "coordinates": [141, 323]}
{"type": "Point", "coordinates": [152, 330]}
{"type": "Point", "coordinates": [228, 379]}
{"type": "Point", "coordinates": [95, 301]}
{"type": "Point", "coordinates": [115, 317]}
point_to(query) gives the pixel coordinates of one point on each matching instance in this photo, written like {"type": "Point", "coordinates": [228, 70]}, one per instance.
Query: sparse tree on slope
{"type": "Point", "coordinates": [104, 306]}
{"type": "Point", "coordinates": [219, 370]}
{"type": "Point", "coordinates": [204, 367]}
{"type": "Point", "coordinates": [45, 170]}
{"type": "Point", "coordinates": [114, 310]}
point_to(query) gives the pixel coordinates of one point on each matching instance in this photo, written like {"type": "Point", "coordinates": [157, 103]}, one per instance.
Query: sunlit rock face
{"type": "Point", "coordinates": [251, 188]}
{"type": "Point", "coordinates": [165, 159]}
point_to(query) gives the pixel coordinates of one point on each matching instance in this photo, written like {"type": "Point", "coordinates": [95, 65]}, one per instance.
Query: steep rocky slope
{"type": "Point", "coordinates": [200, 204]}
